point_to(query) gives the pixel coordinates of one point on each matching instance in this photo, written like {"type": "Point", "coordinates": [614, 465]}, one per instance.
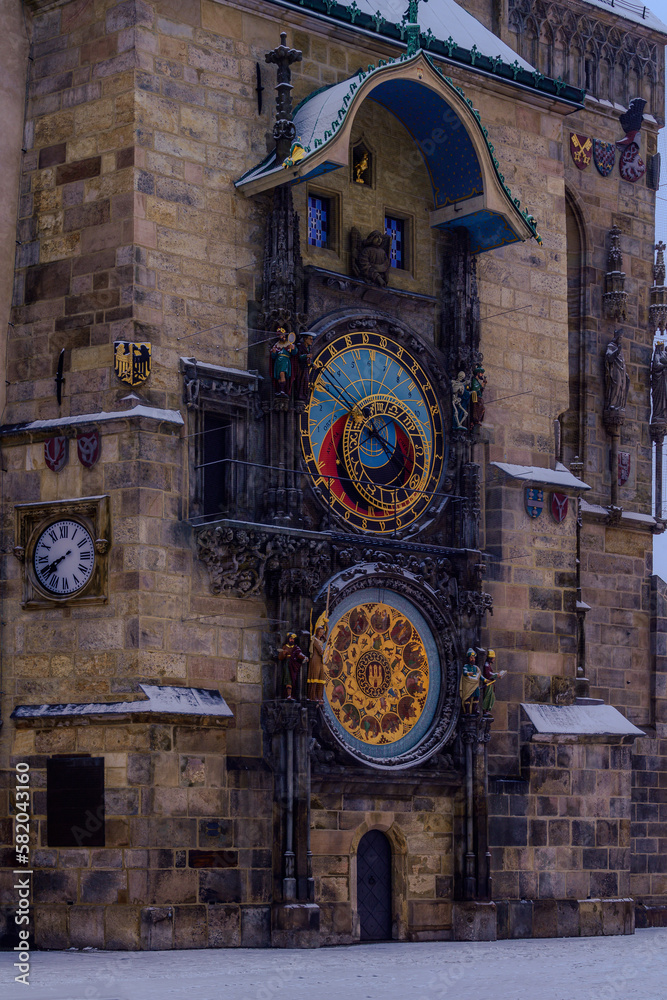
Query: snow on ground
{"type": "Point", "coordinates": [611, 968]}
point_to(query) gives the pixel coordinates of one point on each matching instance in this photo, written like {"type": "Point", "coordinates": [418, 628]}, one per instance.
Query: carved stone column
{"type": "Point", "coordinates": [284, 129]}
{"type": "Point", "coordinates": [658, 425]}
{"type": "Point", "coordinates": [295, 920]}
{"type": "Point", "coordinates": [475, 730]}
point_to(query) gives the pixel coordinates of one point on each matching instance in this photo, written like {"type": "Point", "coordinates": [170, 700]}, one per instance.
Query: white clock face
{"type": "Point", "coordinates": [64, 558]}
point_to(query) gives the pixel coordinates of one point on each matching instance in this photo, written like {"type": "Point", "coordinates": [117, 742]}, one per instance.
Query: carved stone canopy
{"type": "Point", "coordinates": [615, 297]}
{"type": "Point", "coordinates": [204, 382]}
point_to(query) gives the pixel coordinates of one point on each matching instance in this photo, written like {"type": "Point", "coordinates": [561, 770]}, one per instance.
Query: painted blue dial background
{"type": "Point", "coordinates": [422, 726]}
{"type": "Point", "coordinates": [360, 378]}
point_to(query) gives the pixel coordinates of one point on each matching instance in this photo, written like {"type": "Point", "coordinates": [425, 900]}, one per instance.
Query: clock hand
{"type": "Point", "coordinates": [56, 562]}
{"type": "Point", "coordinates": [352, 404]}
{"type": "Point", "coordinates": [395, 463]}
{"type": "Point", "coordinates": [329, 388]}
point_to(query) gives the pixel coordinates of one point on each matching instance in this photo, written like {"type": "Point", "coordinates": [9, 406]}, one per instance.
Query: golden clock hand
{"type": "Point", "coordinates": [394, 461]}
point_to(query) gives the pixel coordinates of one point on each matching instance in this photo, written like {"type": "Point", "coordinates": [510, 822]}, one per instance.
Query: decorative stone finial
{"type": "Point", "coordinates": [615, 296]}
{"type": "Point", "coordinates": [658, 307]}
{"type": "Point", "coordinates": [284, 130]}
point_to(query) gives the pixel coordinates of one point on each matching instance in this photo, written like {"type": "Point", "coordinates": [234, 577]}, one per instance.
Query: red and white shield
{"type": "Point", "coordinates": [56, 451]}
{"type": "Point", "coordinates": [559, 505]}
{"type": "Point", "coordinates": [88, 448]}
{"type": "Point", "coordinates": [630, 165]}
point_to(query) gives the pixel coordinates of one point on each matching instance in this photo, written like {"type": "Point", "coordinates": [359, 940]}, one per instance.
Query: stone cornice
{"type": "Point", "coordinates": [37, 429]}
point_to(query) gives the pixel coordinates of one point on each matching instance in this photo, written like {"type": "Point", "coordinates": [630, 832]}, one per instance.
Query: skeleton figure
{"type": "Point", "coordinates": [460, 402]}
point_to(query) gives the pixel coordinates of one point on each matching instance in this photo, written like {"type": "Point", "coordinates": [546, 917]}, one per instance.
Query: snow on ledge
{"type": "Point", "coordinates": [165, 700]}
{"type": "Point", "coordinates": [233, 374]}
{"type": "Point", "coordinates": [580, 720]}
{"type": "Point", "coordinates": [103, 416]}
{"type": "Point", "coordinates": [560, 476]}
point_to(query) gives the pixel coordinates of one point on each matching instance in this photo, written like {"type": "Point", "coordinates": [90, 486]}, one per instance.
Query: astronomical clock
{"type": "Point", "coordinates": [372, 435]}
{"type": "Point", "coordinates": [373, 440]}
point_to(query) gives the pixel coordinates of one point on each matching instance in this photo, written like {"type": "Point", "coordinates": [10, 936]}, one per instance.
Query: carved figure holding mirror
{"type": "Point", "coordinates": [282, 356]}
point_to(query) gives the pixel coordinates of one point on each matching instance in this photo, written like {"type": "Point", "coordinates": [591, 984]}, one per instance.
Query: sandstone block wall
{"type": "Point", "coordinates": [565, 826]}
{"type": "Point", "coordinates": [420, 825]}
{"type": "Point", "coordinates": [188, 853]}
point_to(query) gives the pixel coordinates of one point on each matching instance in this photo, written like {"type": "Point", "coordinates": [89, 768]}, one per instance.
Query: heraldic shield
{"type": "Point", "coordinates": [604, 155]}
{"type": "Point", "coordinates": [56, 453]}
{"type": "Point", "coordinates": [631, 166]}
{"type": "Point", "coordinates": [581, 149]}
{"type": "Point", "coordinates": [132, 362]}
{"type": "Point", "coordinates": [559, 505]}
{"type": "Point", "coordinates": [534, 500]}
{"type": "Point", "coordinates": [88, 448]}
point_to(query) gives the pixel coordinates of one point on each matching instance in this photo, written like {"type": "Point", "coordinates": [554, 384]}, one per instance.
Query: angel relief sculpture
{"type": "Point", "coordinates": [370, 257]}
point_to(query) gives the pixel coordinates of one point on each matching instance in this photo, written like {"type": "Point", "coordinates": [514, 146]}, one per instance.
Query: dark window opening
{"type": "Point", "coordinates": [75, 802]}
{"type": "Point", "coordinates": [217, 474]}
{"type": "Point", "coordinates": [319, 221]}
{"type": "Point", "coordinates": [395, 229]}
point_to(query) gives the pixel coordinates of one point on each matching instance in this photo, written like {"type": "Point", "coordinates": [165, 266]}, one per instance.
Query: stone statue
{"type": "Point", "coordinates": [460, 402]}
{"type": "Point", "coordinates": [477, 387]}
{"type": "Point", "coordinates": [469, 683]}
{"type": "Point", "coordinates": [291, 658]}
{"type": "Point", "coordinates": [316, 677]}
{"type": "Point", "coordinates": [659, 383]}
{"type": "Point", "coordinates": [282, 354]}
{"type": "Point", "coordinates": [490, 676]}
{"type": "Point", "coordinates": [304, 357]}
{"type": "Point", "coordinates": [370, 257]}
{"type": "Point", "coordinates": [617, 380]}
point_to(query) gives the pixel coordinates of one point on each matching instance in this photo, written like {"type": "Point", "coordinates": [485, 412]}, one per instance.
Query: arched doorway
{"type": "Point", "coordinates": [374, 886]}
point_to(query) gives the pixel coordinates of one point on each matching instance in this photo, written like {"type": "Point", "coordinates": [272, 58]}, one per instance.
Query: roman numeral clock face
{"type": "Point", "coordinates": [64, 558]}
{"type": "Point", "coordinates": [372, 434]}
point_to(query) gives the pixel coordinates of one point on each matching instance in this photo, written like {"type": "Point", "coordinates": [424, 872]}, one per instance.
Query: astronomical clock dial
{"type": "Point", "coordinates": [64, 558]}
{"type": "Point", "coordinates": [372, 434]}
{"type": "Point", "coordinates": [382, 675]}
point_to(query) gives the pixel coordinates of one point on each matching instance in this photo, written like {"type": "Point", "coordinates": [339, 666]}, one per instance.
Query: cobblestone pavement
{"type": "Point", "coordinates": [613, 968]}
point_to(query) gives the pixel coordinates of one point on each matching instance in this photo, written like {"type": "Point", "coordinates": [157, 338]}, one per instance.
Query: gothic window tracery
{"type": "Point", "coordinates": [574, 47]}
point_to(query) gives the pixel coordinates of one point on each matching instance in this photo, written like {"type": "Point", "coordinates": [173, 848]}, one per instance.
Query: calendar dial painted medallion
{"type": "Point", "coordinates": [372, 434]}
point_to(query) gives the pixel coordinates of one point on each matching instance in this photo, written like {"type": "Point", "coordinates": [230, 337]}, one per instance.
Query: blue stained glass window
{"type": "Point", "coordinates": [395, 228]}
{"type": "Point", "coordinates": [319, 216]}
